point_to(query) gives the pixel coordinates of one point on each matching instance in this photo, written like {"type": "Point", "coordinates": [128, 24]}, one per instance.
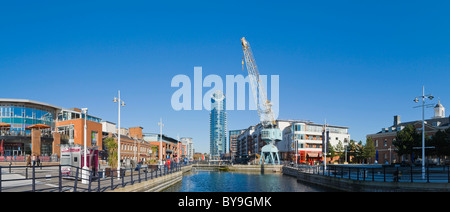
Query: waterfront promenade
{"type": "Point", "coordinates": [49, 178]}
{"type": "Point", "coordinates": [373, 177]}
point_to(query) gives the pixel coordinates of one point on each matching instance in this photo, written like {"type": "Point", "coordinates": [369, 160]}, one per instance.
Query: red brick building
{"type": "Point", "coordinates": [384, 138]}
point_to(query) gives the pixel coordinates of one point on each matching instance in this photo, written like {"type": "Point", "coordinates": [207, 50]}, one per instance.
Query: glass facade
{"type": "Point", "coordinates": [20, 116]}
{"type": "Point", "coordinates": [218, 125]}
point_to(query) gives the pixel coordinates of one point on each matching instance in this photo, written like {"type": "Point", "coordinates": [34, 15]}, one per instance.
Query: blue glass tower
{"type": "Point", "coordinates": [218, 125]}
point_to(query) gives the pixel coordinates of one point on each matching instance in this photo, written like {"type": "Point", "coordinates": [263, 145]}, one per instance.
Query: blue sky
{"type": "Point", "coordinates": [353, 63]}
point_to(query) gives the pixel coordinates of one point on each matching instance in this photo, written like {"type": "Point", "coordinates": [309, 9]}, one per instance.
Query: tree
{"type": "Point", "coordinates": [352, 149]}
{"type": "Point", "coordinates": [441, 142]}
{"type": "Point", "coordinates": [369, 149]}
{"type": "Point", "coordinates": [111, 146]}
{"type": "Point", "coordinates": [340, 150]}
{"type": "Point", "coordinates": [406, 139]}
{"type": "Point", "coordinates": [359, 152]}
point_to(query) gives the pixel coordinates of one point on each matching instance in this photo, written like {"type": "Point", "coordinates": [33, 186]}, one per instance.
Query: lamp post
{"type": "Point", "coordinates": [85, 169]}
{"type": "Point", "coordinates": [120, 103]}
{"type": "Point", "coordinates": [161, 125]}
{"type": "Point", "coordinates": [416, 100]}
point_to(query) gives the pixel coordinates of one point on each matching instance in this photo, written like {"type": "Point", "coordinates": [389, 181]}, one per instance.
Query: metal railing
{"type": "Point", "coordinates": [52, 179]}
{"type": "Point", "coordinates": [432, 174]}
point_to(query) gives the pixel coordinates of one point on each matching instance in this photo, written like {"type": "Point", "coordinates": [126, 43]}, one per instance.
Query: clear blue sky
{"type": "Point", "coordinates": [353, 63]}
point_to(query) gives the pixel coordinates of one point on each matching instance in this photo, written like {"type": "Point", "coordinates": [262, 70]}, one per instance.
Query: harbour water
{"type": "Point", "coordinates": [230, 181]}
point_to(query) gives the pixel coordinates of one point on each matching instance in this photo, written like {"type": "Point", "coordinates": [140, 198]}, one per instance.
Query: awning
{"type": "Point", "coordinates": [313, 154]}
{"type": "Point", "coordinates": [37, 126]}
{"type": "Point", "coordinates": [5, 125]}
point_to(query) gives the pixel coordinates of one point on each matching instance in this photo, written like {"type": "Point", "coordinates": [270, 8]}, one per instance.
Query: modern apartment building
{"type": "Point", "coordinates": [305, 136]}
{"type": "Point", "coordinates": [218, 125]}
{"type": "Point", "coordinates": [303, 140]}
{"type": "Point", "coordinates": [233, 138]}
{"type": "Point", "coordinates": [189, 146]}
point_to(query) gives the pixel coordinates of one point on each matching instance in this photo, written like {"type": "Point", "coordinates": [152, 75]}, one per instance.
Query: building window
{"type": "Point", "coordinates": [385, 142]}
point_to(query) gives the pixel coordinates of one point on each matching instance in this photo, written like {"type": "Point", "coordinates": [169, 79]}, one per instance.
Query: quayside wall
{"type": "Point", "coordinates": [352, 185]}
{"type": "Point", "coordinates": [156, 184]}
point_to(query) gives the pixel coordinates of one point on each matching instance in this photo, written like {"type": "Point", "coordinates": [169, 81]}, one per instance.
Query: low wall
{"type": "Point", "coordinates": [155, 184]}
{"type": "Point", "coordinates": [342, 184]}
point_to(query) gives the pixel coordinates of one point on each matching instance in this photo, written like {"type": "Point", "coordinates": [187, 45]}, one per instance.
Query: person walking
{"type": "Point", "coordinates": [28, 160]}
{"type": "Point", "coordinates": [39, 161]}
{"type": "Point", "coordinates": [33, 159]}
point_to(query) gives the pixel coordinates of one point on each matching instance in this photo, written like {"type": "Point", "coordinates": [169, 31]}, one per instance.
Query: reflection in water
{"type": "Point", "coordinates": [223, 181]}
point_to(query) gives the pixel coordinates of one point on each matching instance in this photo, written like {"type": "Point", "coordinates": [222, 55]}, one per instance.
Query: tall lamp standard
{"type": "Point", "coordinates": [161, 125]}
{"type": "Point", "coordinates": [121, 103]}
{"type": "Point", "coordinates": [416, 100]}
{"type": "Point", "coordinates": [85, 169]}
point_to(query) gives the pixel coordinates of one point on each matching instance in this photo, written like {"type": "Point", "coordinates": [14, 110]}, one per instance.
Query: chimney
{"type": "Point", "coordinates": [136, 132]}
{"type": "Point", "coordinates": [397, 120]}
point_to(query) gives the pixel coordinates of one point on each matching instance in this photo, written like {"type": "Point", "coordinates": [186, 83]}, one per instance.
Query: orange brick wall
{"type": "Point", "coordinates": [79, 131]}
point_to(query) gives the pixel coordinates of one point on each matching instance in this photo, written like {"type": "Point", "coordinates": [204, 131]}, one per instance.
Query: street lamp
{"type": "Point", "coordinates": [161, 125]}
{"type": "Point", "coordinates": [416, 100]}
{"type": "Point", "coordinates": [85, 169]}
{"type": "Point", "coordinates": [120, 103]}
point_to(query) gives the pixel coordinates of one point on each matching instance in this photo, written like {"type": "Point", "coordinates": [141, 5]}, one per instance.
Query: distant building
{"type": "Point", "coordinates": [218, 125]}
{"type": "Point", "coordinates": [383, 139]}
{"type": "Point", "coordinates": [189, 145]}
{"type": "Point", "coordinates": [170, 146]}
{"type": "Point", "coordinates": [308, 135]}
{"type": "Point", "coordinates": [132, 145]}
{"type": "Point", "coordinates": [233, 138]}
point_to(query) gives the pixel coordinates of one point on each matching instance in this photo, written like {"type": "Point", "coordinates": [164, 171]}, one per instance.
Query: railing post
{"type": "Point", "coordinates": [373, 174]}
{"type": "Point", "coordinates": [448, 174]}
{"type": "Point", "coordinates": [364, 174]}
{"type": "Point", "coordinates": [112, 178]}
{"type": "Point", "coordinates": [428, 173]}
{"type": "Point", "coordinates": [349, 171]}
{"type": "Point", "coordinates": [411, 173]}
{"type": "Point", "coordinates": [90, 180]}
{"type": "Point", "coordinates": [384, 173]}
{"type": "Point", "coordinates": [139, 176]}
{"type": "Point", "coordinates": [0, 179]}
{"type": "Point", "coordinates": [132, 181]}
{"type": "Point", "coordinates": [98, 181]}
{"type": "Point", "coordinates": [60, 179]}
{"type": "Point", "coordinates": [33, 186]}
{"type": "Point", "coordinates": [357, 173]}
{"type": "Point", "coordinates": [146, 170]}
{"type": "Point", "coordinates": [76, 180]}
{"type": "Point", "coordinates": [123, 176]}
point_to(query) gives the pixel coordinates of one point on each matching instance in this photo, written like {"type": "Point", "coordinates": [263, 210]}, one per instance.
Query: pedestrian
{"type": "Point", "coordinates": [39, 161]}
{"type": "Point", "coordinates": [28, 160]}
{"type": "Point", "coordinates": [33, 159]}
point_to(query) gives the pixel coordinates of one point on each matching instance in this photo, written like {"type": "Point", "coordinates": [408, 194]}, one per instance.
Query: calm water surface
{"type": "Point", "coordinates": [223, 181]}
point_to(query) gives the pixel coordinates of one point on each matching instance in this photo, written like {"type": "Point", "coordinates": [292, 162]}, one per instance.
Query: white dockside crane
{"type": "Point", "coordinates": [270, 132]}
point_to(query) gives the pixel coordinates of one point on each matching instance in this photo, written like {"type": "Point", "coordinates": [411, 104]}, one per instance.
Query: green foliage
{"type": "Point", "coordinates": [111, 146]}
{"type": "Point", "coordinates": [406, 139]}
{"type": "Point", "coordinates": [369, 149]}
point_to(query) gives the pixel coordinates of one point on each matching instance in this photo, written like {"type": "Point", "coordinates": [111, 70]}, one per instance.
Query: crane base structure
{"type": "Point", "coordinates": [269, 155]}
